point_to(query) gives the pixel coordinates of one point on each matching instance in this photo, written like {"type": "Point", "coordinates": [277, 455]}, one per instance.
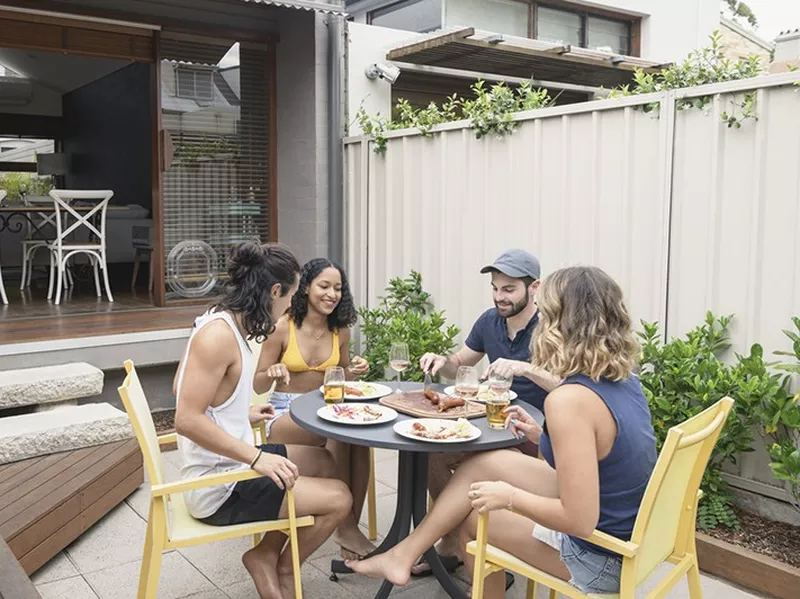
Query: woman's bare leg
{"type": "Point", "coordinates": [352, 468]}
{"type": "Point", "coordinates": [454, 505]}
{"type": "Point", "coordinates": [285, 430]}
{"type": "Point", "coordinates": [263, 562]}
{"type": "Point", "coordinates": [513, 533]}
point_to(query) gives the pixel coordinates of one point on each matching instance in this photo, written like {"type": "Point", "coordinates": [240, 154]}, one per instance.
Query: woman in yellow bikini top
{"type": "Point", "coordinates": [293, 359]}
{"type": "Point", "coordinates": [314, 335]}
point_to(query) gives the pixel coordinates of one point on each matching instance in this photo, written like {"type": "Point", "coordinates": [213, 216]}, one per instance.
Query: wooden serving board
{"type": "Point", "coordinates": [414, 403]}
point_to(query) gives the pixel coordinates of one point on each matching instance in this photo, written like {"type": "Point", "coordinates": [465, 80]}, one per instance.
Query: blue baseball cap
{"type": "Point", "coordinates": [516, 264]}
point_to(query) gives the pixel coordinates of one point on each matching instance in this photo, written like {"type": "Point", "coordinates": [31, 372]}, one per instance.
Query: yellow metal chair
{"type": "Point", "coordinates": [372, 517]}
{"type": "Point", "coordinates": [169, 524]}
{"type": "Point", "coordinates": [664, 529]}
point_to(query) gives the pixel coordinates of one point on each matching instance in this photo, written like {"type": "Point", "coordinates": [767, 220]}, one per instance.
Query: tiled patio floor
{"type": "Point", "coordinates": [104, 562]}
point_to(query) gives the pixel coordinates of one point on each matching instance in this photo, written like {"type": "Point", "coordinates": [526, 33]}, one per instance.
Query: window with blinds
{"type": "Point", "coordinates": [215, 113]}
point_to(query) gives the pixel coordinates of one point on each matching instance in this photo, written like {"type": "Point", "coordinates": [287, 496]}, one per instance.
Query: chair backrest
{"type": "Point", "coordinates": [38, 221]}
{"type": "Point", "coordinates": [665, 524]}
{"type": "Point", "coordinates": [3, 194]}
{"type": "Point", "coordinates": [138, 410]}
{"type": "Point", "coordinates": [63, 199]}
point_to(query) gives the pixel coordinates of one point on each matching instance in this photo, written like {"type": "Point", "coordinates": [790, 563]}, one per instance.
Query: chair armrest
{"type": "Point", "coordinates": [606, 541]}
{"type": "Point", "coordinates": [168, 438]}
{"type": "Point", "coordinates": [201, 482]}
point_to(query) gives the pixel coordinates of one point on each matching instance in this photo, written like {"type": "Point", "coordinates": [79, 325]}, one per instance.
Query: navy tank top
{"type": "Point", "coordinates": [625, 471]}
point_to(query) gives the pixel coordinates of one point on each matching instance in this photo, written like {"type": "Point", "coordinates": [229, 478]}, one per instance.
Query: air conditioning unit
{"type": "Point", "coordinates": [15, 91]}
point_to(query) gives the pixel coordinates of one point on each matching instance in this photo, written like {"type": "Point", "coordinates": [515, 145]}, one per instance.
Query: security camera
{"type": "Point", "coordinates": [382, 70]}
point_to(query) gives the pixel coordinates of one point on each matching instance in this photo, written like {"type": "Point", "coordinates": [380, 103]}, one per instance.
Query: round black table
{"type": "Point", "coordinates": [412, 468]}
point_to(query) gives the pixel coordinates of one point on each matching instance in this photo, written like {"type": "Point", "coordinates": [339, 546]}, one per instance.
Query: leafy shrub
{"type": "Point", "coordinates": [781, 420]}
{"type": "Point", "coordinates": [686, 375]}
{"type": "Point", "coordinates": [491, 112]}
{"type": "Point", "coordinates": [405, 314]}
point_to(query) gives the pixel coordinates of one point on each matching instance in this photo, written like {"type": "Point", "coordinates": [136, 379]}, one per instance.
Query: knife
{"type": "Point", "coordinates": [427, 380]}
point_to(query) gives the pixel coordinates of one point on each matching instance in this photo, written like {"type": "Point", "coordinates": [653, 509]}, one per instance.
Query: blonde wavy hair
{"type": "Point", "coordinates": [584, 326]}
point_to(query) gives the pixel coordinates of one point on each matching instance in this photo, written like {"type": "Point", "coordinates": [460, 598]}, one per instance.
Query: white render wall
{"type": "Point", "coordinates": [670, 28]}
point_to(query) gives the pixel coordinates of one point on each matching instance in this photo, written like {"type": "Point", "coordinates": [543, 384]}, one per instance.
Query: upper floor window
{"type": "Point", "coordinates": [195, 84]}
{"type": "Point", "coordinates": [409, 15]}
{"type": "Point", "coordinates": [583, 29]}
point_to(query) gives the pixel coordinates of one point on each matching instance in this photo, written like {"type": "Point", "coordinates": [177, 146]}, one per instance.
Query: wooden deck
{"type": "Point", "coordinates": [48, 328]}
{"type": "Point", "coordinates": [48, 502]}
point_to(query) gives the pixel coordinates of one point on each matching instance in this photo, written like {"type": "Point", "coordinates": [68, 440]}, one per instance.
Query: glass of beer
{"type": "Point", "coordinates": [496, 403]}
{"type": "Point", "coordinates": [333, 388]}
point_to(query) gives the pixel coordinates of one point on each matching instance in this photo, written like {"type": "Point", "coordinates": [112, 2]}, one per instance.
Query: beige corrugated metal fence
{"type": "Point", "coordinates": [687, 214]}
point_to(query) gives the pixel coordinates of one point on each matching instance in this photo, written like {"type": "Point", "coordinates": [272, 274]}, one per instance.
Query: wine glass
{"type": "Point", "coordinates": [499, 384]}
{"type": "Point", "coordinates": [467, 385]}
{"type": "Point", "coordinates": [399, 360]}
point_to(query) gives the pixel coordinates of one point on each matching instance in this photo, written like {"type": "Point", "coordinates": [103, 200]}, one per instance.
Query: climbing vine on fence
{"type": "Point", "coordinates": [490, 112]}
{"type": "Point", "coordinates": [701, 67]}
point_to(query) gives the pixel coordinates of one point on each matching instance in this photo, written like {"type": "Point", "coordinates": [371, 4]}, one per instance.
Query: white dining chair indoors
{"type": "Point", "coordinates": [41, 230]}
{"type": "Point", "coordinates": [61, 249]}
{"type": "Point", "coordinates": [3, 297]}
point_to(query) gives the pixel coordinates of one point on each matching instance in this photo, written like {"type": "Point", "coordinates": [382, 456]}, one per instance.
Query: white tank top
{"type": "Point", "coordinates": [232, 416]}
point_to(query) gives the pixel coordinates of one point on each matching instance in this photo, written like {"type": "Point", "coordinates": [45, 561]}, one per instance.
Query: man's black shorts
{"type": "Point", "coordinates": [251, 500]}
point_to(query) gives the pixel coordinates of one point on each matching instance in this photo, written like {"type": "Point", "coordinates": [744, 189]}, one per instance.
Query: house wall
{"type": "Point", "coordinates": [670, 30]}
{"type": "Point", "coordinates": [108, 135]}
{"type": "Point", "coordinates": [302, 134]}
{"type": "Point", "coordinates": [736, 46]}
{"type": "Point", "coordinates": [367, 44]}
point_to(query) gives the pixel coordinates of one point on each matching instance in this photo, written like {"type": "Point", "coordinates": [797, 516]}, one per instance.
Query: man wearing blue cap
{"type": "Point", "coordinates": [503, 334]}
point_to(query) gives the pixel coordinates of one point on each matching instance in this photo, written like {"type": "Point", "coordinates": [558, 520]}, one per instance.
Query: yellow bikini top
{"type": "Point", "coordinates": [294, 361]}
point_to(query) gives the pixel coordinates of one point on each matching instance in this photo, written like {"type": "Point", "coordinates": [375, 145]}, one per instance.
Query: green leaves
{"type": "Point", "coordinates": [490, 112]}
{"type": "Point", "coordinates": [20, 184]}
{"type": "Point", "coordinates": [701, 67]}
{"type": "Point", "coordinates": [684, 376]}
{"type": "Point", "coordinates": [405, 314]}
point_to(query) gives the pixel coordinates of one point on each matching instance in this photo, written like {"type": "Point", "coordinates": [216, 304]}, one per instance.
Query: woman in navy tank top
{"type": "Point", "coordinates": [598, 446]}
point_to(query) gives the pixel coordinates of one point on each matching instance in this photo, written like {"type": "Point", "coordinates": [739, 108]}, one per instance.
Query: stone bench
{"type": "Point", "coordinates": [49, 384]}
{"type": "Point", "coordinates": [65, 429]}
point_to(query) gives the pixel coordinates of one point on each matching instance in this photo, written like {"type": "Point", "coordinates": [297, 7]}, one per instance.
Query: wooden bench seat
{"type": "Point", "coordinates": [49, 501]}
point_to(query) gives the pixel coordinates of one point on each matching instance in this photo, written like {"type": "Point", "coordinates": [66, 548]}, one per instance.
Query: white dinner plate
{"type": "Point", "coordinates": [370, 390]}
{"type": "Point", "coordinates": [404, 429]}
{"type": "Point", "coordinates": [329, 413]}
{"type": "Point", "coordinates": [451, 390]}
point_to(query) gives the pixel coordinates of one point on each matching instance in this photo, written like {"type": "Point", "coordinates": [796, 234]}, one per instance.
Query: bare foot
{"type": "Point", "coordinates": [386, 566]}
{"type": "Point", "coordinates": [354, 545]}
{"type": "Point", "coordinates": [264, 571]}
{"type": "Point", "coordinates": [287, 584]}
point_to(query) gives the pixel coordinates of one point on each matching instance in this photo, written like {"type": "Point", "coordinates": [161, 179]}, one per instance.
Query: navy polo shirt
{"type": "Point", "coordinates": [489, 335]}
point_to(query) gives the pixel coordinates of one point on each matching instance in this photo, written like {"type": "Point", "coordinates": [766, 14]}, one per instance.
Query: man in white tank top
{"type": "Point", "coordinates": [214, 420]}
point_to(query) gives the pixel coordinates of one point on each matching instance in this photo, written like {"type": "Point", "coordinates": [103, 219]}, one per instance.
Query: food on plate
{"type": "Point", "coordinates": [442, 432]}
{"type": "Point", "coordinates": [432, 396]}
{"type": "Point", "coordinates": [450, 402]}
{"type": "Point", "coordinates": [356, 413]}
{"type": "Point", "coordinates": [352, 390]}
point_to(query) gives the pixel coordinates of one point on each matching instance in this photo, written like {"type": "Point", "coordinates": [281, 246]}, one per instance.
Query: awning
{"type": "Point", "coordinates": [487, 52]}
{"type": "Point", "coordinates": [331, 8]}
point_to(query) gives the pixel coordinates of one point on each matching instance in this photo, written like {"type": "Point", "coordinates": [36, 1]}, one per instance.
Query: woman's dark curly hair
{"type": "Point", "coordinates": [253, 270]}
{"type": "Point", "coordinates": [344, 316]}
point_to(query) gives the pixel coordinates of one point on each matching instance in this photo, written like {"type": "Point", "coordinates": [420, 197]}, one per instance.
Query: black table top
{"type": "Point", "coordinates": [304, 412]}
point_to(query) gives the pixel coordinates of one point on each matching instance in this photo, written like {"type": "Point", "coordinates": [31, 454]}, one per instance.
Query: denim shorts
{"type": "Point", "coordinates": [590, 571]}
{"type": "Point", "coordinates": [281, 403]}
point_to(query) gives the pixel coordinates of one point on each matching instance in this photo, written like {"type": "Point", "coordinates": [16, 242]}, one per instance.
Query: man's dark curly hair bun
{"type": "Point", "coordinates": [253, 269]}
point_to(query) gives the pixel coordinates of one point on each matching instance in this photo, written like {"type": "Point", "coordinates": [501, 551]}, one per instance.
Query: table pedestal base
{"type": "Point", "coordinates": [412, 505]}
